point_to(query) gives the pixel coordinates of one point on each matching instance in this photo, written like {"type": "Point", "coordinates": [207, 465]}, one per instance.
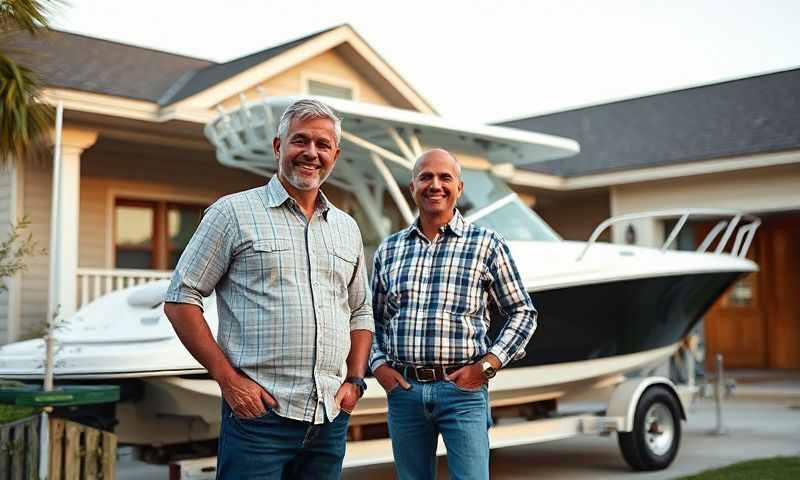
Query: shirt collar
{"type": "Point", "coordinates": [277, 196]}
{"type": "Point", "coordinates": [456, 225]}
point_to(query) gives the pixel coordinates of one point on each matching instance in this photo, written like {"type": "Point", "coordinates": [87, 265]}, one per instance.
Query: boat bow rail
{"type": "Point", "coordinates": [732, 221]}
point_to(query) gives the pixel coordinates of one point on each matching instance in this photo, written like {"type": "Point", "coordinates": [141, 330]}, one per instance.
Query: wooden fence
{"type": "Point", "coordinates": [78, 452]}
{"type": "Point", "coordinates": [19, 449]}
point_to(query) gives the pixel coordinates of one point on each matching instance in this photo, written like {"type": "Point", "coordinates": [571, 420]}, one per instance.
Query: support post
{"type": "Point", "coordinates": [64, 297]}
{"type": "Point", "coordinates": [394, 189]}
{"type": "Point", "coordinates": [364, 198]}
{"type": "Point", "coordinates": [691, 368]}
{"type": "Point", "coordinates": [718, 397]}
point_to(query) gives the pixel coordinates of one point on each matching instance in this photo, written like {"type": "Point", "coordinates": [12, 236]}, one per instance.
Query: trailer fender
{"type": "Point", "coordinates": [625, 397]}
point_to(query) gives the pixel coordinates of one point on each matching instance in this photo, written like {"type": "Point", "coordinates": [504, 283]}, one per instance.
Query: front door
{"type": "Point", "coordinates": [782, 290]}
{"type": "Point", "coordinates": [756, 324]}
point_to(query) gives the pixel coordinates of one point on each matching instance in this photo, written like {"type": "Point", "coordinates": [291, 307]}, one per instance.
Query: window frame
{"type": "Point", "coordinates": [160, 241]}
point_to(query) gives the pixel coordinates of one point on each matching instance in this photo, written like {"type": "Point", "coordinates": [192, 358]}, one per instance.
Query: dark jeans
{"type": "Point", "coordinates": [274, 447]}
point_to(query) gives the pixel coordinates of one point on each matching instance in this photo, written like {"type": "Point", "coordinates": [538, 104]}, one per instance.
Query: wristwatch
{"type": "Point", "coordinates": [358, 382]}
{"type": "Point", "coordinates": [488, 370]}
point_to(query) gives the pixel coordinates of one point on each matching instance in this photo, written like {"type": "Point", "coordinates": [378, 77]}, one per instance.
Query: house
{"type": "Point", "coordinates": [732, 145]}
{"type": "Point", "coordinates": [137, 170]}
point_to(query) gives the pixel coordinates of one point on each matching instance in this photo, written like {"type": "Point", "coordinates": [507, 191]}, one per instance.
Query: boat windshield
{"type": "Point", "coordinates": [487, 201]}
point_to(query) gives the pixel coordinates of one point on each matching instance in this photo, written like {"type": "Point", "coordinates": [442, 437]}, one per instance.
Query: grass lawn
{"type": "Point", "coordinates": [9, 413]}
{"type": "Point", "coordinates": [777, 468]}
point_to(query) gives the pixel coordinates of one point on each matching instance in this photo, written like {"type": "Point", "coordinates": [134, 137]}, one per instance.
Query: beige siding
{"type": "Point", "coordinates": [6, 217]}
{"type": "Point", "coordinates": [92, 230]}
{"type": "Point", "coordinates": [36, 202]}
{"type": "Point", "coordinates": [328, 66]}
{"type": "Point", "coordinates": [574, 216]}
{"type": "Point", "coordinates": [757, 190]}
{"type": "Point", "coordinates": [763, 189]}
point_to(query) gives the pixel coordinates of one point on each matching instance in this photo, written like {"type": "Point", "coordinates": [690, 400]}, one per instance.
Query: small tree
{"type": "Point", "coordinates": [15, 249]}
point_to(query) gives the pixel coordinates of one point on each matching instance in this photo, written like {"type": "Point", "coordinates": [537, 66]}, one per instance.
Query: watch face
{"type": "Point", "coordinates": [488, 370]}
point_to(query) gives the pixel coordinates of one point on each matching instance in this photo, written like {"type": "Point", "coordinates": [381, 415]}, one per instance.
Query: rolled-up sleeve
{"type": "Point", "coordinates": [359, 298]}
{"type": "Point", "coordinates": [205, 259]}
{"type": "Point", "coordinates": [507, 290]}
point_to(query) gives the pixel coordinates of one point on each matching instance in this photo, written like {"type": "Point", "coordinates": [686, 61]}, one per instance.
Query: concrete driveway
{"type": "Point", "coordinates": [757, 428]}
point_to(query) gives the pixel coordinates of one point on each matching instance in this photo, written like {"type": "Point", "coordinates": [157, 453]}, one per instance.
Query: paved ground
{"type": "Point", "coordinates": [757, 428]}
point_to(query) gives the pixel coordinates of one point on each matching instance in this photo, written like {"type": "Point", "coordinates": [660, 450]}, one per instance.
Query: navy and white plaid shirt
{"type": "Point", "coordinates": [430, 299]}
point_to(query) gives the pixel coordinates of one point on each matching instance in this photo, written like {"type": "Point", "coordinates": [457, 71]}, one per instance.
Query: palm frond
{"type": "Point", "coordinates": [25, 120]}
{"type": "Point", "coordinates": [28, 15]}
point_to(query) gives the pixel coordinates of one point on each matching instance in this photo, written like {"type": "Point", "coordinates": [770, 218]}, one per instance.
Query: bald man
{"type": "Point", "coordinates": [432, 287]}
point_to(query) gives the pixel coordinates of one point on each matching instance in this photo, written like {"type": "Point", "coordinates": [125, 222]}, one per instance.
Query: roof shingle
{"type": "Point", "coordinates": [73, 61]}
{"type": "Point", "coordinates": [207, 77]}
{"type": "Point", "coordinates": [752, 115]}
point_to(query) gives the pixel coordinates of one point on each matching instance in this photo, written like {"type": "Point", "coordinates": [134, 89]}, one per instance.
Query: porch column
{"type": "Point", "coordinates": [73, 143]}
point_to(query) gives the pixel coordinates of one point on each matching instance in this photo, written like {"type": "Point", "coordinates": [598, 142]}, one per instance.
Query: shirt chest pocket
{"type": "Point", "coordinates": [343, 265]}
{"type": "Point", "coordinates": [269, 259]}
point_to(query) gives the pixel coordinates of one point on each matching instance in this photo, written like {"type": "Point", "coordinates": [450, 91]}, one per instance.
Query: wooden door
{"type": "Point", "coordinates": [782, 290]}
{"type": "Point", "coordinates": [735, 326]}
{"type": "Point", "coordinates": [756, 324]}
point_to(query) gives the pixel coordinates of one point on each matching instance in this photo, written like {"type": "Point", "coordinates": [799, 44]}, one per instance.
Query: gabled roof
{"type": "Point", "coordinates": [73, 61]}
{"type": "Point", "coordinates": [77, 62]}
{"type": "Point", "coordinates": [740, 117]}
{"type": "Point", "coordinates": [213, 74]}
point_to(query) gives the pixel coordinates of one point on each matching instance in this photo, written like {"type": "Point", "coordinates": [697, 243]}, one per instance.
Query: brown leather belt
{"type": "Point", "coordinates": [424, 374]}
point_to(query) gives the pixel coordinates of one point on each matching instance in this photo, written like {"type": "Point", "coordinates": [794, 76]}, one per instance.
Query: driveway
{"type": "Point", "coordinates": [756, 429]}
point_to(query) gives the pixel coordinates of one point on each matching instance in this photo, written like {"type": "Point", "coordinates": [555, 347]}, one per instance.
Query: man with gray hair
{"type": "Point", "coordinates": [295, 318]}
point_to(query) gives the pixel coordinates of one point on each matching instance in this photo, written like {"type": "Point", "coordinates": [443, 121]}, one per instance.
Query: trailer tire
{"type": "Point", "coordinates": [653, 443]}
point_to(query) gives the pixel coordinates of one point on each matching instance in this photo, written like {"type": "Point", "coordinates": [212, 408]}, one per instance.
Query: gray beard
{"type": "Point", "coordinates": [301, 183]}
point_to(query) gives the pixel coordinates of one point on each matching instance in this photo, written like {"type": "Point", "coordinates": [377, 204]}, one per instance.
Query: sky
{"type": "Point", "coordinates": [485, 61]}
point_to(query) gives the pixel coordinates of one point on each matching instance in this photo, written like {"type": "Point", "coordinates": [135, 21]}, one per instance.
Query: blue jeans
{"type": "Point", "coordinates": [274, 447]}
{"type": "Point", "coordinates": [417, 417]}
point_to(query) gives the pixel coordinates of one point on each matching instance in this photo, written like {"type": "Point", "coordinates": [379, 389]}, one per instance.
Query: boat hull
{"type": "Point", "coordinates": [618, 318]}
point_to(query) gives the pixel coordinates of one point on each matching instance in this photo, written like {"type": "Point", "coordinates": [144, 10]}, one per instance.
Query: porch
{"type": "Point", "coordinates": [93, 283]}
{"type": "Point", "coordinates": [129, 204]}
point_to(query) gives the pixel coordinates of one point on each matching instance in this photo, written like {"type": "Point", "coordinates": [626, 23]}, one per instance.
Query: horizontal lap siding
{"type": "Point", "coordinates": [33, 295]}
{"type": "Point", "coordinates": [5, 220]}
{"type": "Point", "coordinates": [92, 228]}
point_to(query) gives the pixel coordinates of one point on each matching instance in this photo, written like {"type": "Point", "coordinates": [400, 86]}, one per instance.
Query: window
{"type": "Point", "coordinates": [152, 234]}
{"type": "Point", "coordinates": [323, 89]}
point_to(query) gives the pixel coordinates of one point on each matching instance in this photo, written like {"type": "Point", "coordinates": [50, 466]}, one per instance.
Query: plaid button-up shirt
{"type": "Point", "coordinates": [431, 299]}
{"type": "Point", "coordinates": [288, 293]}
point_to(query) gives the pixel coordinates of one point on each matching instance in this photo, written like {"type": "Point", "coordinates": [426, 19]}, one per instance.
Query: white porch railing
{"type": "Point", "coordinates": [96, 282]}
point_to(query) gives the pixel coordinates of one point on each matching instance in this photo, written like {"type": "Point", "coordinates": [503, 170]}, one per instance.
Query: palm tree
{"type": "Point", "coordinates": [23, 117]}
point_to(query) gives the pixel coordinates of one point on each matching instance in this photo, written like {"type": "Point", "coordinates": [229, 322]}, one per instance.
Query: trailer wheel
{"type": "Point", "coordinates": [656, 435]}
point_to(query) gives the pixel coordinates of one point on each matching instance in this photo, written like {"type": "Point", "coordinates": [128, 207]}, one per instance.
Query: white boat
{"type": "Point", "coordinates": [605, 310]}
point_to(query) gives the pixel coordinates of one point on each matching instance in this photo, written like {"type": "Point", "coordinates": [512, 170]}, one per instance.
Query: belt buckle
{"type": "Point", "coordinates": [426, 371]}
